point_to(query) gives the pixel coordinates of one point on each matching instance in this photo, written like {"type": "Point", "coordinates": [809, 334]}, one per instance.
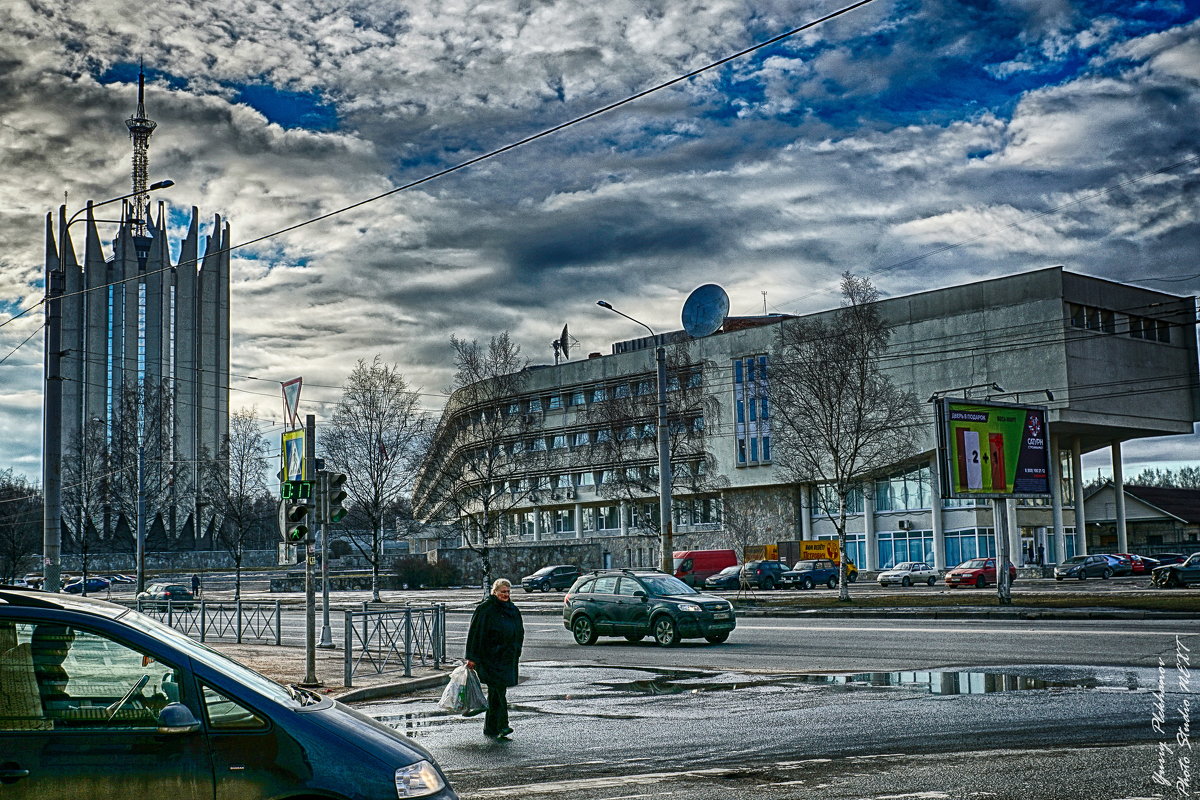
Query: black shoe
{"type": "Point", "coordinates": [505, 732]}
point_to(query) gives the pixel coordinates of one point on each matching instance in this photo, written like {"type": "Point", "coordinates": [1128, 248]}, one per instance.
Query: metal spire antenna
{"type": "Point", "coordinates": [140, 127]}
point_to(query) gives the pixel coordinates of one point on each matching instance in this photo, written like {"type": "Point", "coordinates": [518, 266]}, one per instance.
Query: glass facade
{"type": "Point", "coordinates": [905, 491]}
{"type": "Point", "coordinates": [751, 412]}
{"type": "Point", "coordinates": [969, 543]}
{"type": "Point", "coordinates": [893, 547]}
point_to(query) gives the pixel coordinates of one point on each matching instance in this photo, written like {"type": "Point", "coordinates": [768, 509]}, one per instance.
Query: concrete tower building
{"type": "Point", "coordinates": [145, 347]}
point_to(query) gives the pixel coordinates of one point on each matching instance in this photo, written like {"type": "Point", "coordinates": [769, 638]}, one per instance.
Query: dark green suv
{"type": "Point", "coordinates": [640, 603]}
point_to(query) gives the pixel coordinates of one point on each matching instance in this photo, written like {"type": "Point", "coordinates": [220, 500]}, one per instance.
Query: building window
{"type": "Point", "coordinates": [554, 402]}
{"type": "Point", "coordinates": [578, 398]}
{"type": "Point", "coordinates": [581, 439]}
{"type": "Point", "coordinates": [558, 442]}
{"type": "Point", "coordinates": [599, 394]}
{"type": "Point", "coordinates": [564, 521]}
{"type": "Point", "coordinates": [907, 491]}
{"type": "Point", "coordinates": [894, 547]}
{"type": "Point", "coordinates": [827, 502]}
{"type": "Point", "coordinates": [1091, 318]}
{"type": "Point", "coordinates": [621, 391]}
{"type": "Point", "coordinates": [585, 479]}
{"type": "Point", "coordinates": [752, 429]}
{"type": "Point", "coordinates": [535, 405]}
{"type": "Point", "coordinates": [969, 543]}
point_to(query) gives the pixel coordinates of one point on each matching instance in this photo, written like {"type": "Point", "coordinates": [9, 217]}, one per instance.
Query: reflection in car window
{"type": "Point", "coordinates": [628, 586]}
{"type": "Point", "coordinates": [229, 715]}
{"type": "Point", "coordinates": [606, 585]}
{"type": "Point", "coordinates": [666, 585]}
{"type": "Point", "coordinates": [586, 586]}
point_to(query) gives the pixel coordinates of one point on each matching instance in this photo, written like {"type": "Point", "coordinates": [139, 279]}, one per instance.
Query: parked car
{"type": "Point", "coordinates": [1164, 559]}
{"type": "Point", "coordinates": [1138, 565]}
{"type": "Point", "coordinates": [694, 567]}
{"type": "Point", "coordinates": [977, 572]}
{"type": "Point", "coordinates": [559, 577]}
{"type": "Point", "coordinates": [94, 584]}
{"type": "Point", "coordinates": [1122, 564]}
{"type": "Point", "coordinates": [1177, 575]}
{"type": "Point", "coordinates": [764, 574]}
{"type": "Point", "coordinates": [726, 580]}
{"type": "Point", "coordinates": [34, 579]}
{"type": "Point", "coordinates": [807, 574]}
{"type": "Point", "coordinates": [1084, 567]}
{"type": "Point", "coordinates": [851, 571]}
{"type": "Point", "coordinates": [907, 573]}
{"type": "Point", "coordinates": [160, 595]}
{"type": "Point", "coordinates": [640, 603]}
{"type": "Point", "coordinates": [164, 716]}
{"type": "Point", "coordinates": [119, 578]}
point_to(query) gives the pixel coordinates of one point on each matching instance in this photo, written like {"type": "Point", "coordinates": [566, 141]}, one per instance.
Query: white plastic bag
{"type": "Point", "coordinates": [463, 694]}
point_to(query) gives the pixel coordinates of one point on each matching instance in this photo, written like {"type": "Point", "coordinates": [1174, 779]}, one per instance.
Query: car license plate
{"type": "Point", "coordinates": [721, 615]}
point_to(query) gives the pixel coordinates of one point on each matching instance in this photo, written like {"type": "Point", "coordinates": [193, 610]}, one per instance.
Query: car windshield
{"type": "Point", "coordinates": [1076, 560]}
{"type": "Point", "coordinates": [666, 585]}
{"type": "Point", "coordinates": [805, 565]}
{"type": "Point", "coordinates": [544, 571]}
{"type": "Point", "coordinates": [244, 675]}
{"type": "Point", "coordinates": [731, 570]}
{"type": "Point", "coordinates": [974, 563]}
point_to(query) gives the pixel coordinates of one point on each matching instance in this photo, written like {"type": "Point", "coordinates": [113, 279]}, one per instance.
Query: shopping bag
{"type": "Point", "coordinates": [454, 697]}
{"type": "Point", "coordinates": [474, 700]}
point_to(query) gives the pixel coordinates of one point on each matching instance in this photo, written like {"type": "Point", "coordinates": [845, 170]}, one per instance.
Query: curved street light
{"type": "Point", "coordinates": [667, 560]}
{"type": "Point", "coordinates": [52, 399]}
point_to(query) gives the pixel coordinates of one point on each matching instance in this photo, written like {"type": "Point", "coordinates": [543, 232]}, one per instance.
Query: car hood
{"type": "Point", "coordinates": [893, 573]}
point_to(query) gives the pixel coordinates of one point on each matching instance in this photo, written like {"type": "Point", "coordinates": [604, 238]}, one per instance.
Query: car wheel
{"type": "Point", "coordinates": [768, 584]}
{"type": "Point", "coordinates": [665, 632]}
{"type": "Point", "coordinates": [583, 630]}
{"type": "Point", "coordinates": [545, 587]}
{"type": "Point", "coordinates": [980, 582]}
{"type": "Point", "coordinates": [716, 638]}
{"type": "Point", "coordinates": [905, 581]}
{"type": "Point", "coordinates": [528, 590]}
{"type": "Point", "coordinates": [853, 577]}
{"type": "Point", "coordinates": [883, 584]}
{"type": "Point", "coordinates": [1106, 574]}
{"type": "Point", "coordinates": [1058, 577]}
{"type": "Point", "coordinates": [1082, 574]}
{"type": "Point", "coordinates": [932, 580]}
{"type": "Point", "coordinates": [832, 582]}
{"type": "Point", "coordinates": [634, 637]}
{"type": "Point", "coordinates": [806, 583]}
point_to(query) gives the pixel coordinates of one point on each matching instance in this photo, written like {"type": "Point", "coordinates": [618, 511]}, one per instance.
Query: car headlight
{"type": "Point", "coordinates": [689, 607]}
{"type": "Point", "coordinates": [418, 780]}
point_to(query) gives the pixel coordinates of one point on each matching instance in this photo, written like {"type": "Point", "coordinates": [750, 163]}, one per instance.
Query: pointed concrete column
{"type": "Point", "coordinates": [1119, 486]}
{"type": "Point", "coordinates": [806, 527]}
{"type": "Point", "coordinates": [872, 556]}
{"type": "Point", "coordinates": [578, 521]}
{"type": "Point", "coordinates": [537, 524]}
{"type": "Point", "coordinates": [623, 517]}
{"type": "Point", "coordinates": [1077, 488]}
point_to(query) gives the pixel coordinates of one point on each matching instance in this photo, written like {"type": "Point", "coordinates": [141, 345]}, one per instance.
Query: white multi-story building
{"type": "Point", "coordinates": [1111, 362]}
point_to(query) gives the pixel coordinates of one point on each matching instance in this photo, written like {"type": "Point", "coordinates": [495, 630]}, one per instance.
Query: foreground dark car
{"type": "Point", "coordinates": [118, 701]}
{"type": "Point", "coordinates": [1178, 575]}
{"type": "Point", "coordinates": [559, 576]}
{"type": "Point", "coordinates": [640, 603]}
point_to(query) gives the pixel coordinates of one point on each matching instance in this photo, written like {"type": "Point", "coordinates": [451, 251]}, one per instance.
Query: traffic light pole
{"type": "Point", "coordinates": [310, 595]}
{"type": "Point", "coordinates": [326, 642]}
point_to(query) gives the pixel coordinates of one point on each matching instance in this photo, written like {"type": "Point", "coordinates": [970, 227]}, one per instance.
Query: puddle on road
{"type": "Point", "coordinates": [942, 682]}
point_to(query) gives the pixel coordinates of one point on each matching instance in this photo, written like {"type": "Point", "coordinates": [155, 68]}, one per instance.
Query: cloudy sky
{"type": "Point", "coordinates": [923, 143]}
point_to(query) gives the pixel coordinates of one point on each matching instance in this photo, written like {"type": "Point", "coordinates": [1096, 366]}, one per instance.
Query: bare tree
{"type": "Point", "coordinates": [141, 454]}
{"type": "Point", "coordinates": [236, 485]}
{"type": "Point", "coordinates": [625, 416]}
{"type": "Point", "coordinates": [837, 418]}
{"type": "Point", "coordinates": [87, 478]}
{"type": "Point", "coordinates": [376, 436]}
{"type": "Point", "coordinates": [482, 463]}
{"type": "Point", "coordinates": [20, 524]}
{"type": "Point", "coordinates": [743, 522]}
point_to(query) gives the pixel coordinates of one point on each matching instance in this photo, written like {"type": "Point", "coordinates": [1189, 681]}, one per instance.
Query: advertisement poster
{"type": "Point", "coordinates": [993, 450]}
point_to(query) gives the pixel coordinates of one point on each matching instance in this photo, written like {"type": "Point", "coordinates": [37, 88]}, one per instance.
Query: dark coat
{"type": "Point", "coordinates": [494, 641]}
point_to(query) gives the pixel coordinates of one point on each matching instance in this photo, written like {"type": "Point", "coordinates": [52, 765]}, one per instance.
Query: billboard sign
{"type": "Point", "coordinates": [993, 450]}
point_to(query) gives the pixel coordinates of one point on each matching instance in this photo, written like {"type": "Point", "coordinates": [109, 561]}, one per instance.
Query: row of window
{"type": "Point", "coordinates": [685, 511]}
{"type": "Point", "coordinates": [751, 410]}
{"type": "Point", "coordinates": [587, 438]}
{"type": "Point", "coordinates": [580, 397]}
{"type": "Point", "coordinates": [590, 478]}
{"type": "Point", "coordinates": [1105, 321]}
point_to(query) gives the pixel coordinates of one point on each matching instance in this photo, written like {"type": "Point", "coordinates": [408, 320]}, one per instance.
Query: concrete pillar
{"type": "Point", "coordinates": [1056, 502]}
{"type": "Point", "coordinates": [935, 515]}
{"type": "Point", "coordinates": [623, 517]}
{"type": "Point", "coordinates": [1077, 489]}
{"type": "Point", "coordinates": [872, 549]}
{"type": "Point", "coordinates": [578, 521]}
{"type": "Point", "coordinates": [537, 524]}
{"type": "Point", "coordinates": [1119, 487]}
{"type": "Point", "coordinates": [806, 497]}
{"type": "Point", "coordinates": [1014, 532]}
{"type": "Point", "coordinates": [72, 363]}
{"type": "Point", "coordinates": [95, 331]}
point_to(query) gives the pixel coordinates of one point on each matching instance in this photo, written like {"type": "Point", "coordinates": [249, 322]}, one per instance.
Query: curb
{"type": "Point", "coordinates": [353, 695]}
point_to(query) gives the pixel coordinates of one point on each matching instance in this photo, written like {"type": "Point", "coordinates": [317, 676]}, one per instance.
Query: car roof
{"type": "Point", "coordinates": [32, 598]}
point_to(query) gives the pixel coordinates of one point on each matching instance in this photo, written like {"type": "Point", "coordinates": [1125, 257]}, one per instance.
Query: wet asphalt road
{"type": "Point", "coordinates": [586, 732]}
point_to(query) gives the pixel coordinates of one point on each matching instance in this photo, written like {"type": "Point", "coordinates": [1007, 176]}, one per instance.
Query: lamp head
{"type": "Point", "coordinates": [603, 304]}
{"type": "Point", "coordinates": [167, 184]}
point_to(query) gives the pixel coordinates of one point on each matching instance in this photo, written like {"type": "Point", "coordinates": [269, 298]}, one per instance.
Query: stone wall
{"type": "Point", "coordinates": [189, 561]}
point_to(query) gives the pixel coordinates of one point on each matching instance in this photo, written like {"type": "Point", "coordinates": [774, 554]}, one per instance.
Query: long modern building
{"type": "Point", "coordinates": [1111, 362]}
{"type": "Point", "coordinates": [145, 344]}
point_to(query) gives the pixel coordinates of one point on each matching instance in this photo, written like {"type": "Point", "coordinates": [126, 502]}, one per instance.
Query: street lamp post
{"type": "Point", "coordinates": [667, 561]}
{"type": "Point", "coordinates": [52, 399]}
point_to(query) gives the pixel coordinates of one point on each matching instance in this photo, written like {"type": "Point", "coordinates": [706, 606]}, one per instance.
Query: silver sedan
{"type": "Point", "coordinates": [907, 573]}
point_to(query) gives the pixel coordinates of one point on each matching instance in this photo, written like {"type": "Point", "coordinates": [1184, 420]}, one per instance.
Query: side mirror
{"type": "Point", "coordinates": [177, 718]}
{"type": "Point", "coordinates": [640, 593]}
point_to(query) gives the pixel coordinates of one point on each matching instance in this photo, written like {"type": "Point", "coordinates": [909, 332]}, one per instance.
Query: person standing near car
{"type": "Point", "coordinates": [493, 650]}
{"type": "Point", "coordinates": [196, 585]}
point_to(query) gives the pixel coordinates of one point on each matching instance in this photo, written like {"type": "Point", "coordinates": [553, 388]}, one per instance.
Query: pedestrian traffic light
{"type": "Point", "coordinates": [296, 530]}
{"type": "Point", "coordinates": [335, 486]}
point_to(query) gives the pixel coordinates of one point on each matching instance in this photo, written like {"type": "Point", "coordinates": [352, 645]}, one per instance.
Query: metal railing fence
{"type": "Point", "coordinates": [380, 640]}
{"type": "Point", "coordinates": [238, 621]}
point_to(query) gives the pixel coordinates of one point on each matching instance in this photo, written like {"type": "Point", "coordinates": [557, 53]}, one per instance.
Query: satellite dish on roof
{"type": "Point", "coordinates": [705, 310]}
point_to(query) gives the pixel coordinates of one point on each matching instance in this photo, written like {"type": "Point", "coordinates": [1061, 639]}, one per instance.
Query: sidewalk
{"type": "Point", "coordinates": [286, 665]}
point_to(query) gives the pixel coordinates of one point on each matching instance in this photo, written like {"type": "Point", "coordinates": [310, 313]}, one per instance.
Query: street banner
{"type": "Point", "coordinates": [993, 450]}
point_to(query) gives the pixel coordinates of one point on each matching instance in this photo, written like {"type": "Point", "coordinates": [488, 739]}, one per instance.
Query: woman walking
{"type": "Point", "coordinates": [493, 650]}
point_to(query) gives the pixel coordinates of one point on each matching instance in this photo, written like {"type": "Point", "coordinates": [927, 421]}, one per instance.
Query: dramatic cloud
{"type": "Point", "coordinates": [923, 144]}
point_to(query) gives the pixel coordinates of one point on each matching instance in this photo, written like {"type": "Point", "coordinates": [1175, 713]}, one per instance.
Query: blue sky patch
{"type": "Point", "coordinates": [306, 110]}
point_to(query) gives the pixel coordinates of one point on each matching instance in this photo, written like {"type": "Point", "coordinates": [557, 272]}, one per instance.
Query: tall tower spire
{"type": "Point", "coordinates": [140, 127]}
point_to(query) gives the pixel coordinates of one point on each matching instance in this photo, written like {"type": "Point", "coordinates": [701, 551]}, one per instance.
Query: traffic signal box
{"type": "Point", "coordinates": [298, 499]}
{"type": "Point", "coordinates": [335, 495]}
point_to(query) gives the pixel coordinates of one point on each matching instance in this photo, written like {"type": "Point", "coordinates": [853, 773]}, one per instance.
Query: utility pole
{"type": "Point", "coordinates": [141, 517]}
{"type": "Point", "coordinates": [664, 468]}
{"type": "Point", "coordinates": [323, 520]}
{"type": "Point", "coordinates": [310, 593]}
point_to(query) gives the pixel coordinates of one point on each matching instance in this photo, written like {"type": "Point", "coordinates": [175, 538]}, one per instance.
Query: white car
{"type": "Point", "coordinates": [907, 573]}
